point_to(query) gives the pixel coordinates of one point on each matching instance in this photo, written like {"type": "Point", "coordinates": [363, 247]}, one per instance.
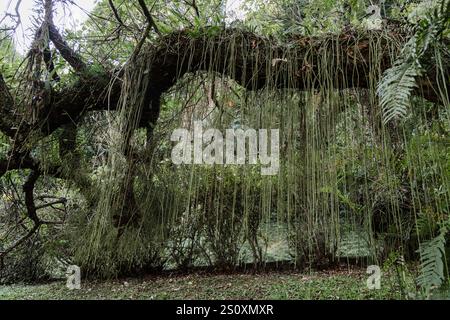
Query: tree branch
{"type": "Point", "coordinates": [194, 6]}
{"type": "Point", "coordinates": [20, 241]}
{"type": "Point", "coordinates": [116, 14]}
{"type": "Point", "coordinates": [251, 68]}
{"type": "Point", "coordinates": [28, 189]}
{"type": "Point", "coordinates": [149, 17]}
{"type": "Point", "coordinates": [64, 49]}
{"type": "Point", "coordinates": [50, 204]}
{"type": "Point", "coordinates": [72, 58]}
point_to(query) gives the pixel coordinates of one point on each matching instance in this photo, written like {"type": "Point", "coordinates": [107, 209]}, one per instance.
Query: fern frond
{"type": "Point", "coordinates": [399, 81]}
{"type": "Point", "coordinates": [396, 87]}
{"type": "Point", "coordinates": [432, 265]}
{"type": "Point", "coordinates": [426, 224]}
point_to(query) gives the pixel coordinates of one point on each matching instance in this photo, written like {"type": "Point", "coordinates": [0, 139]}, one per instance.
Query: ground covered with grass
{"type": "Point", "coordinates": [333, 284]}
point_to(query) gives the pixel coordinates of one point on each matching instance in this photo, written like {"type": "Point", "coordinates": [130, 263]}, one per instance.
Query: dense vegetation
{"type": "Point", "coordinates": [361, 99]}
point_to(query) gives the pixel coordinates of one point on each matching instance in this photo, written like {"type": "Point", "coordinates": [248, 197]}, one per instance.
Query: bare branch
{"type": "Point", "coordinates": [141, 42]}
{"type": "Point", "coordinates": [20, 241]}
{"type": "Point", "coordinates": [116, 13]}
{"type": "Point", "coordinates": [50, 204]}
{"type": "Point", "coordinates": [194, 6]}
{"type": "Point", "coordinates": [15, 16]}
{"type": "Point", "coordinates": [149, 17]}
{"type": "Point", "coordinates": [28, 188]}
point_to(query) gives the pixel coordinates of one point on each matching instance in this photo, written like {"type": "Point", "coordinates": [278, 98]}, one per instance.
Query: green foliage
{"type": "Point", "coordinates": [10, 60]}
{"type": "Point", "coordinates": [432, 255]}
{"type": "Point", "coordinates": [399, 81]}
{"type": "Point", "coordinates": [344, 178]}
{"type": "Point", "coordinates": [395, 89]}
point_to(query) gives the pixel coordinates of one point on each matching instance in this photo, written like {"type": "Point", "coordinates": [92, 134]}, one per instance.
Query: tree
{"type": "Point", "coordinates": [47, 106]}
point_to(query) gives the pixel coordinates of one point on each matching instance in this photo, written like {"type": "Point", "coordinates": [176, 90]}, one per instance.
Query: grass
{"type": "Point", "coordinates": [336, 284]}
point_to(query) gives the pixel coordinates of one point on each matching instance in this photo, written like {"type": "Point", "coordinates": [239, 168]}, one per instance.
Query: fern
{"type": "Point", "coordinates": [432, 254]}
{"type": "Point", "coordinates": [396, 87]}
{"type": "Point", "coordinates": [426, 224]}
{"type": "Point", "coordinates": [399, 81]}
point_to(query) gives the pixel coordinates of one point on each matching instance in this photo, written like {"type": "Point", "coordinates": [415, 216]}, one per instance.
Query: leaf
{"type": "Point", "coordinates": [432, 266]}
{"type": "Point", "coordinates": [395, 89]}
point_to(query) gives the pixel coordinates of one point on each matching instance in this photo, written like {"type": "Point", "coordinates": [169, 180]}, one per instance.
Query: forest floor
{"type": "Point", "coordinates": [332, 284]}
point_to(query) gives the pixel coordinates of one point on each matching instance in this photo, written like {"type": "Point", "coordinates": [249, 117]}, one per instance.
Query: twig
{"type": "Point", "coordinates": [116, 13]}
{"type": "Point", "coordinates": [20, 241]}
{"type": "Point", "coordinates": [193, 4]}
{"type": "Point", "coordinates": [45, 205]}
{"type": "Point", "coordinates": [15, 17]}
{"type": "Point", "coordinates": [141, 42]}
{"type": "Point", "coordinates": [149, 17]}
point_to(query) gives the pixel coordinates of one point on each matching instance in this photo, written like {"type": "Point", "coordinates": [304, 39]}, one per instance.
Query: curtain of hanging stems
{"type": "Point", "coordinates": [342, 172]}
